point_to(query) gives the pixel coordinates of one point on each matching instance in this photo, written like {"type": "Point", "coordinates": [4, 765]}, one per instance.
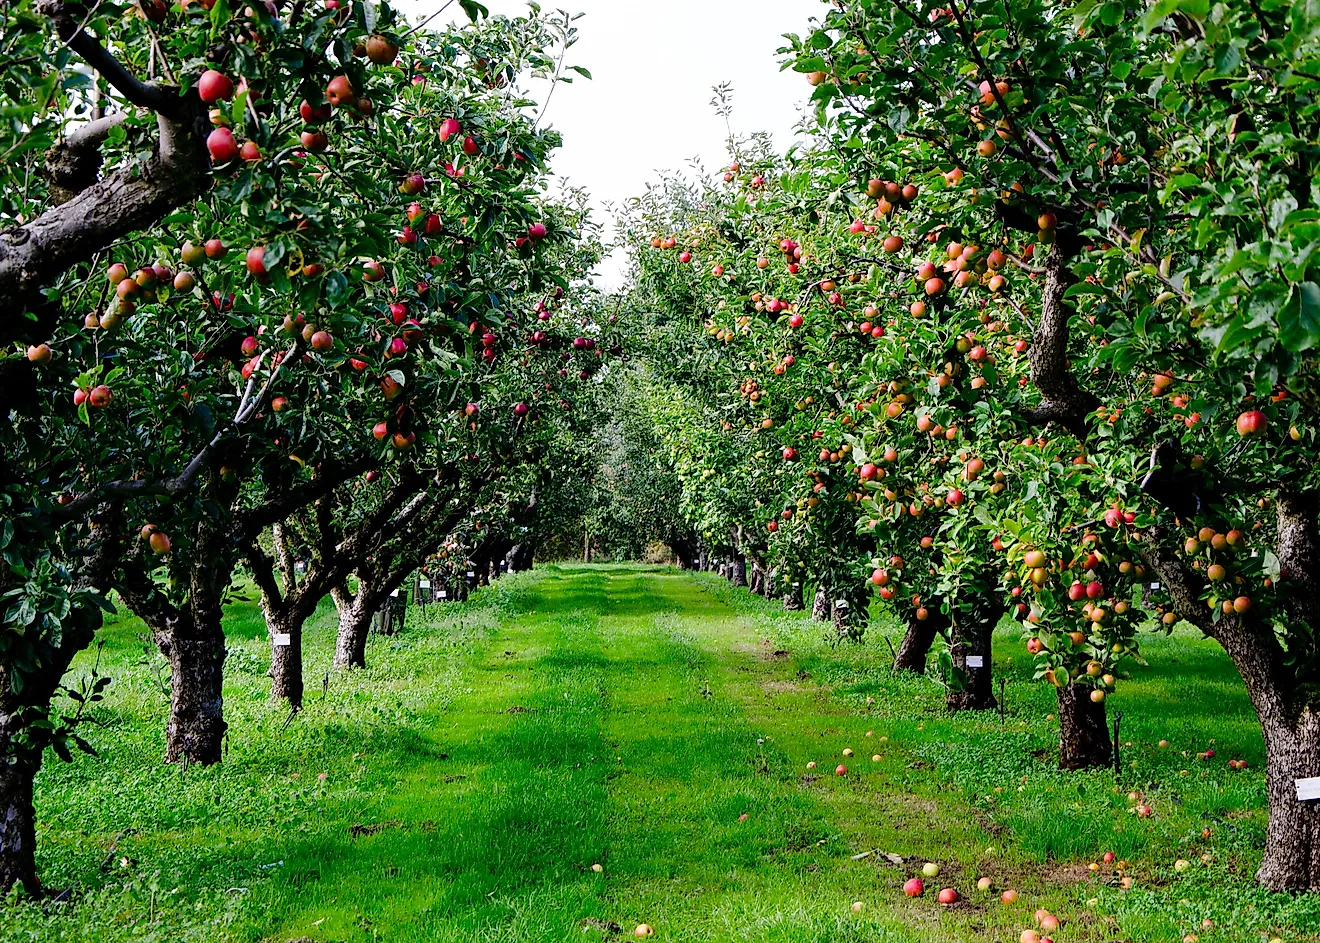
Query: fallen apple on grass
{"type": "Point", "coordinates": [913, 887]}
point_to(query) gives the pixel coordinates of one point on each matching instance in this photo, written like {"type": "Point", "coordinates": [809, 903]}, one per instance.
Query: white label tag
{"type": "Point", "coordinates": [1308, 789]}
{"type": "Point", "coordinates": [394, 594]}
{"type": "Point", "coordinates": [281, 640]}
{"type": "Point", "coordinates": [470, 573]}
{"type": "Point", "coordinates": [797, 585]}
{"type": "Point", "coordinates": [975, 661]}
{"type": "Point", "coordinates": [425, 584]}
{"type": "Point", "coordinates": [840, 604]}
{"type": "Point", "coordinates": [1154, 585]}
{"type": "Point", "coordinates": [443, 594]}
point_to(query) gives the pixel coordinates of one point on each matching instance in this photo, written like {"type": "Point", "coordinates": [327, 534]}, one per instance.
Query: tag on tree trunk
{"type": "Point", "coordinates": [840, 604]}
{"type": "Point", "coordinates": [394, 595]}
{"type": "Point", "coordinates": [470, 573]}
{"type": "Point", "coordinates": [797, 585]}
{"type": "Point", "coordinates": [425, 584]}
{"type": "Point", "coordinates": [443, 594]}
{"type": "Point", "coordinates": [281, 639]}
{"type": "Point", "coordinates": [1308, 790]}
{"type": "Point", "coordinates": [975, 661]}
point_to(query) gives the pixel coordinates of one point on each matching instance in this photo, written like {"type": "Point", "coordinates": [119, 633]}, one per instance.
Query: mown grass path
{"type": "Point", "coordinates": [658, 724]}
{"type": "Point", "coordinates": [625, 717]}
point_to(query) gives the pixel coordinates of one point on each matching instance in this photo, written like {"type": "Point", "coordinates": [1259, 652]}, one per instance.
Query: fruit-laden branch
{"type": "Point", "coordinates": [1062, 398]}
{"type": "Point", "coordinates": [1249, 640]}
{"type": "Point", "coordinates": [247, 410]}
{"type": "Point", "coordinates": [68, 19]}
{"type": "Point", "coordinates": [333, 474]}
{"type": "Point", "coordinates": [130, 199]}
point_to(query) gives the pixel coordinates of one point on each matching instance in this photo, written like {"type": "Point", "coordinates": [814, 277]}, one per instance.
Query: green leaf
{"type": "Point", "coordinates": [473, 9]}
{"type": "Point", "coordinates": [581, 71]}
{"type": "Point", "coordinates": [336, 289]}
{"type": "Point", "coordinates": [1299, 319]}
{"type": "Point", "coordinates": [219, 17]}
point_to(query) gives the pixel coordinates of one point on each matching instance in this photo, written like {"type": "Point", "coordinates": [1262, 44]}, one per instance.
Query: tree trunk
{"type": "Point", "coordinates": [1083, 730]}
{"type": "Point", "coordinates": [920, 635]}
{"type": "Point", "coordinates": [196, 728]}
{"type": "Point", "coordinates": [757, 582]}
{"type": "Point", "coordinates": [792, 597]}
{"type": "Point", "coordinates": [972, 640]}
{"type": "Point", "coordinates": [738, 571]}
{"type": "Point", "coordinates": [354, 624]}
{"type": "Point", "coordinates": [18, 832]}
{"type": "Point", "coordinates": [286, 668]}
{"type": "Point", "coordinates": [851, 617]}
{"type": "Point", "coordinates": [821, 608]}
{"type": "Point", "coordinates": [1292, 843]}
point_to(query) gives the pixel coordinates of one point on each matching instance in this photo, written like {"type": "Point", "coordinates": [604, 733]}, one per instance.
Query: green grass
{"type": "Point", "coordinates": [628, 716]}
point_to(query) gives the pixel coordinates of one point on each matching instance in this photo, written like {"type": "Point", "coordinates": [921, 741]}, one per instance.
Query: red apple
{"type": "Point", "coordinates": [314, 114]}
{"type": "Point", "coordinates": [340, 91]}
{"type": "Point", "coordinates": [913, 887]}
{"type": "Point", "coordinates": [222, 146]}
{"type": "Point", "coordinates": [1251, 423]}
{"type": "Point", "coordinates": [215, 86]}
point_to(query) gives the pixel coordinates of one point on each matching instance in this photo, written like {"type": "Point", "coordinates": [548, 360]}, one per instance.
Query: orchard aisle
{"type": "Point", "coordinates": [617, 719]}
{"type": "Point", "coordinates": [462, 787]}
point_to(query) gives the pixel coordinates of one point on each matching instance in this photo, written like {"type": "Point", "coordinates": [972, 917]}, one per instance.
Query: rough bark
{"type": "Point", "coordinates": [105, 210]}
{"type": "Point", "coordinates": [196, 729]}
{"type": "Point", "coordinates": [756, 583]}
{"type": "Point", "coordinates": [286, 666]}
{"type": "Point", "coordinates": [917, 640]}
{"type": "Point", "coordinates": [1062, 398]}
{"type": "Point", "coordinates": [973, 637]}
{"type": "Point", "coordinates": [850, 618]}
{"type": "Point", "coordinates": [738, 571]}
{"type": "Point", "coordinates": [355, 615]}
{"type": "Point", "coordinates": [1292, 841]}
{"type": "Point", "coordinates": [18, 830]}
{"type": "Point", "coordinates": [20, 760]}
{"type": "Point", "coordinates": [792, 597]}
{"type": "Point", "coordinates": [1084, 740]}
{"type": "Point", "coordinates": [821, 607]}
{"type": "Point", "coordinates": [1288, 711]}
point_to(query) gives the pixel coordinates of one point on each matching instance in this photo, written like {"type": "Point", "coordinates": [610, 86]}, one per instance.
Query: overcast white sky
{"type": "Point", "coordinates": [653, 65]}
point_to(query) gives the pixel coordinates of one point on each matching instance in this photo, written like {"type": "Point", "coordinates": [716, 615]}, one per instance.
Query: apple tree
{"type": "Point", "coordinates": [1143, 174]}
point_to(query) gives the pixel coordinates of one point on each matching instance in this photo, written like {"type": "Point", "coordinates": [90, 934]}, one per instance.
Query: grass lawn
{"type": "Point", "coordinates": [660, 725]}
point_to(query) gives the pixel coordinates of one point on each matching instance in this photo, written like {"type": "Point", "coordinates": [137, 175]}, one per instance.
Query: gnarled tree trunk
{"type": "Point", "coordinates": [286, 668]}
{"type": "Point", "coordinates": [1084, 740]}
{"type": "Point", "coordinates": [355, 615]}
{"type": "Point", "coordinates": [920, 636]}
{"type": "Point", "coordinates": [793, 597]}
{"type": "Point", "coordinates": [971, 639]}
{"type": "Point", "coordinates": [18, 828]}
{"type": "Point", "coordinates": [1292, 843]}
{"type": "Point", "coordinates": [195, 650]}
{"type": "Point", "coordinates": [821, 608]}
